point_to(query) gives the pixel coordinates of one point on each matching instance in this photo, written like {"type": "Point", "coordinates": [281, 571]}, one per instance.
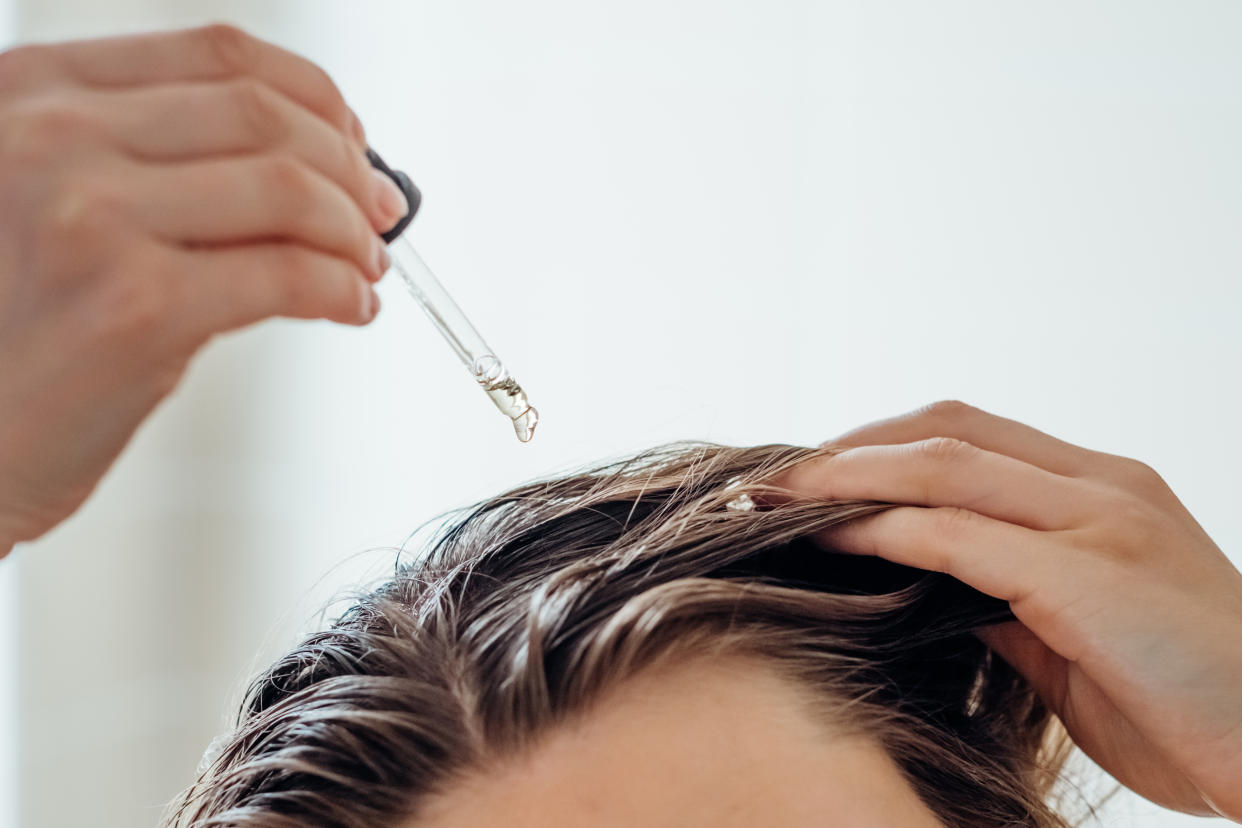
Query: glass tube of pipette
{"type": "Point", "coordinates": [465, 341]}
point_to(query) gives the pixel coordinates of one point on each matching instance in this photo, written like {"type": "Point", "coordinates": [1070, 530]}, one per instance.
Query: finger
{"type": "Point", "coordinates": [1003, 560]}
{"type": "Point", "coordinates": [980, 428]}
{"type": "Point", "coordinates": [252, 199]}
{"type": "Point", "coordinates": [216, 52]}
{"type": "Point", "coordinates": [947, 472]}
{"type": "Point", "coordinates": [1030, 656]}
{"type": "Point", "coordinates": [232, 287]}
{"type": "Point", "coordinates": [183, 121]}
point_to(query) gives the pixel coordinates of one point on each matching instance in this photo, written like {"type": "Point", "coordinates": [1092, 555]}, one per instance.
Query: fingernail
{"type": "Point", "coordinates": [375, 305]}
{"type": "Point", "coordinates": [381, 260]}
{"type": "Point", "coordinates": [390, 202]}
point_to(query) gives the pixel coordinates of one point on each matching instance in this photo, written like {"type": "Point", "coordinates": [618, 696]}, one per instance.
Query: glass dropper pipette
{"type": "Point", "coordinates": [488, 371]}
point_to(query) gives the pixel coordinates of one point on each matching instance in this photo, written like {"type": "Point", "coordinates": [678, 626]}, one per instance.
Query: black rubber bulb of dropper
{"type": "Point", "coordinates": [413, 197]}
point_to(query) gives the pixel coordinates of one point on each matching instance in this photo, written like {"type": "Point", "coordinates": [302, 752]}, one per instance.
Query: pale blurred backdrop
{"type": "Point", "coordinates": [739, 221]}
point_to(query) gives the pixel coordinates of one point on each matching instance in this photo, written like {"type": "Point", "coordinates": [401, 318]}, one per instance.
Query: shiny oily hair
{"type": "Point", "coordinates": [528, 607]}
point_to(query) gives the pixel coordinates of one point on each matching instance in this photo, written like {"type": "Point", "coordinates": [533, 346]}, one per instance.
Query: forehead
{"type": "Point", "coordinates": [724, 743]}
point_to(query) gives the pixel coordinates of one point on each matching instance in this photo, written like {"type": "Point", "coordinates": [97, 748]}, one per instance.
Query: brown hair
{"type": "Point", "coordinates": [535, 602]}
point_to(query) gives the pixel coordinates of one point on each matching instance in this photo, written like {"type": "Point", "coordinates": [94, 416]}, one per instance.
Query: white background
{"type": "Point", "coordinates": [739, 221]}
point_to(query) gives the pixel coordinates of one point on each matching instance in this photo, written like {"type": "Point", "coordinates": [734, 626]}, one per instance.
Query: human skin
{"type": "Point", "coordinates": [156, 191]}
{"type": "Point", "coordinates": [1129, 616]}
{"type": "Point", "coordinates": [705, 743]}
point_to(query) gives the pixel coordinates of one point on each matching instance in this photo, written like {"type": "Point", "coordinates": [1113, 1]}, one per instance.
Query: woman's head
{"type": "Point", "coordinates": [632, 645]}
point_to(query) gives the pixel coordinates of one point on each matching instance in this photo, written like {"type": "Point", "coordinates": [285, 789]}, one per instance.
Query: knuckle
{"type": "Point", "coordinates": [357, 167]}
{"type": "Point", "coordinates": [234, 49]}
{"type": "Point", "coordinates": [291, 263]}
{"type": "Point", "coordinates": [952, 522]}
{"type": "Point", "coordinates": [10, 61]}
{"type": "Point", "coordinates": [337, 300]}
{"type": "Point", "coordinates": [1142, 476]}
{"type": "Point", "coordinates": [1061, 612]}
{"type": "Point", "coordinates": [84, 210]}
{"type": "Point", "coordinates": [22, 143]}
{"type": "Point", "coordinates": [1131, 528]}
{"type": "Point", "coordinates": [16, 63]}
{"type": "Point", "coordinates": [289, 177]}
{"type": "Point", "coordinates": [948, 410]}
{"type": "Point", "coordinates": [41, 130]}
{"type": "Point", "coordinates": [56, 120]}
{"type": "Point", "coordinates": [260, 110]}
{"type": "Point", "coordinates": [288, 259]}
{"type": "Point", "coordinates": [945, 449]}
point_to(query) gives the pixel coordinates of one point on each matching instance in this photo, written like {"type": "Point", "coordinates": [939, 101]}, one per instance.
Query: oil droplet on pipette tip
{"type": "Point", "coordinates": [525, 424]}
{"type": "Point", "coordinates": [509, 397]}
